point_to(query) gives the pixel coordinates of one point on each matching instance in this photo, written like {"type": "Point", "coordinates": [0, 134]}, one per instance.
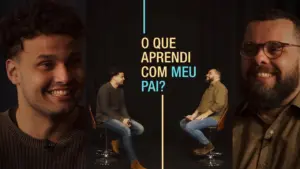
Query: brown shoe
{"type": "Point", "coordinates": [136, 165]}
{"type": "Point", "coordinates": [205, 150]}
{"type": "Point", "coordinates": [115, 146]}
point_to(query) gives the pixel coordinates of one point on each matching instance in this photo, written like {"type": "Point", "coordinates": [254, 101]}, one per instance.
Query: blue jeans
{"type": "Point", "coordinates": [194, 128]}
{"type": "Point", "coordinates": [125, 133]}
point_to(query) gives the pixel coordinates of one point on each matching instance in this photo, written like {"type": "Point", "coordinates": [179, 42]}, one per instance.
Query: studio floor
{"type": "Point", "coordinates": [177, 154]}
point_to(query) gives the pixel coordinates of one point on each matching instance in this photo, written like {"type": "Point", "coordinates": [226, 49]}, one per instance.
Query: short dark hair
{"type": "Point", "coordinates": [273, 14]}
{"type": "Point", "coordinates": [218, 72]}
{"type": "Point", "coordinates": [42, 17]}
{"type": "Point", "coordinates": [113, 71]}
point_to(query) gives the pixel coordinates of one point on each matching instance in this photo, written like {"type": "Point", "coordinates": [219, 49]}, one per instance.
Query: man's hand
{"type": "Point", "coordinates": [189, 117]}
{"type": "Point", "coordinates": [126, 122]}
{"type": "Point", "coordinates": [202, 116]}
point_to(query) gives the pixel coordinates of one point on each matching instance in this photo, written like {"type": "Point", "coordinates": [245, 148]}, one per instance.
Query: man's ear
{"type": "Point", "coordinates": [12, 70]}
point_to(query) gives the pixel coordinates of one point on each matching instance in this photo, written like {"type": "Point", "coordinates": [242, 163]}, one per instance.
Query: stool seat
{"type": "Point", "coordinates": [100, 125]}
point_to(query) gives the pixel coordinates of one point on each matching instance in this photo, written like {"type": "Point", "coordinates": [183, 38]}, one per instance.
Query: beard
{"type": "Point", "coordinates": [47, 109]}
{"type": "Point", "coordinates": [121, 83]}
{"type": "Point", "coordinates": [41, 103]}
{"type": "Point", "coordinates": [265, 98]}
{"type": "Point", "coordinates": [208, 80]}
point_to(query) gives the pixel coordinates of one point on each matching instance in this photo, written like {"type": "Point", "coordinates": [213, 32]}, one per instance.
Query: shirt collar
{"type": "Point", "coordinates": [214, 83]}
{"type": "Point", "coordinates": [296, 101]}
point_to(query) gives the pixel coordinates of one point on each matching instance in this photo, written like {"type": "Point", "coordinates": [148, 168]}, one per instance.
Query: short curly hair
{"type": "Point", "coordinates": [44, 17]}
{"type": "Point", "coordinates": [114, 70]}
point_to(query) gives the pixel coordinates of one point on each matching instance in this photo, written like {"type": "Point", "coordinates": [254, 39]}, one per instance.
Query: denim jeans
{"type": "Point", "coordinates": [194, 128]}
{"type": "Point", "coordinates": [125, 133]}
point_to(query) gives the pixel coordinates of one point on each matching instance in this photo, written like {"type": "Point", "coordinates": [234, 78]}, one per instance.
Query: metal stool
{"type": "Point", "coordinates": [210, 161]}
{"type": "Point", "coordinates": [106, 154]}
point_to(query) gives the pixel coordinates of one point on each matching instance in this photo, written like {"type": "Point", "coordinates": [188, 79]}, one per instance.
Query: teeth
{"type": "Point", "coordinates": [264, 75]}
{"type": "Point", "coordinates": [60, 92]}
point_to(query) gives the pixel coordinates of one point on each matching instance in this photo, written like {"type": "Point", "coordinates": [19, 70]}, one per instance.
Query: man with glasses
{"type": "Point", "coordinates": [267, 125]}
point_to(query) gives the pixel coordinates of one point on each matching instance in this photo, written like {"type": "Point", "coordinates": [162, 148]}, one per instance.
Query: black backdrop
{"type": "Point", "coordinates": [212, 30]}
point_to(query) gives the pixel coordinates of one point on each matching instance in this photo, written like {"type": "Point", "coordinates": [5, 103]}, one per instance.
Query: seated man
{"type": "Point", "coordinates": [111, 110]}
{"type": "Point", "coordinates": [213, 105]}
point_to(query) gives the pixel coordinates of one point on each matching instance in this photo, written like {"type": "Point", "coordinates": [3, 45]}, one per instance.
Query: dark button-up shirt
{"type": "Point", "coordinates": [263, 143]}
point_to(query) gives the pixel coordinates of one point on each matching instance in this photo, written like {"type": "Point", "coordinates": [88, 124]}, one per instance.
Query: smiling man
{"type": "Point", "coordinates": [213, 105]}
{"type": "Point", "coordinates": [47, 129]}
{"type": "Point", "coordinates": [267, 125]}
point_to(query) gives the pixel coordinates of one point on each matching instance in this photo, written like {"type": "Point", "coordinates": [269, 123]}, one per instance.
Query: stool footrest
{"type": "Point", "coordinates": [105, 161]}
{"type": "Point", "coordinates": [211, 162]}
{"type": "Point", "coordinates": [105, 153]}
{"type": "Point", "coordinates": [214, 154]}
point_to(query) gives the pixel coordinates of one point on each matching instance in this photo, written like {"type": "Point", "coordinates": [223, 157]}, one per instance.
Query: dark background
{"type": "Point", "coordinates": [212, 30]}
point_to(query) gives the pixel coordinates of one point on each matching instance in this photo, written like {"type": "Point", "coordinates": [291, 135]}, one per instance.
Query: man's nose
{"type": "Point", "coordinates": [261, 58]}
{"type": "Point", "coordinates": [62, 74]}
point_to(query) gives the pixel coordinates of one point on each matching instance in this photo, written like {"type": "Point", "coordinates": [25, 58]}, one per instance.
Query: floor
{"type": "Point", "coordinates": [177, 153]}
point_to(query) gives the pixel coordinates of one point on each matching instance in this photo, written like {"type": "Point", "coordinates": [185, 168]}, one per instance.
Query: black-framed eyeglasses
{"type": "Point", "coordinates": [272, 49]}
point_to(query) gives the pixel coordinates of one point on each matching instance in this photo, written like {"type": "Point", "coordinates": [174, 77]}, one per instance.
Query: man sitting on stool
{"type": "Point", "coordinates": [213, 105]}
{"type": "Point", "coordinates": [111, 110]}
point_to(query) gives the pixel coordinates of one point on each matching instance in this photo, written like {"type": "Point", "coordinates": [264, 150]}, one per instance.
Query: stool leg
{"type": "Point", "coordinates": [106, 159]}
{"type": "Point", "coordinates": [210, 131]}
{"type": "Point", "coordinates": [99, 152]}
{"type": "Point", "coordinates": [210, 161]}
{"type": "Point", "coordinates": [106, 152]}
{"type": "Point", "coordinates": [106, 139]}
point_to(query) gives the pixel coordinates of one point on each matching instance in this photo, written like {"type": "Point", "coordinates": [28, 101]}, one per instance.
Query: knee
{"type": "Point", "coordinates": [140, 130]}
{"type": "Point", "coordinates": [126, 132]}
{"type": "Point", "coordinates": [189, 127]}
{"type": "Point", "coordinates": [182, 124]}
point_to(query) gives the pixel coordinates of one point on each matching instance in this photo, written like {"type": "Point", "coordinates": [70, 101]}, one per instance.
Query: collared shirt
{"type": "Point", "coordinates": [259, 143]}
{"type": "Point", "coordinates": [215, 98]}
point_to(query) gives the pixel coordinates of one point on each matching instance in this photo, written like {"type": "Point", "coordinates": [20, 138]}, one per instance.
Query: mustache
{"type": "Point", "coordinates": [72, 85]}
{"type": "Point", "coordinates": [265, 69]}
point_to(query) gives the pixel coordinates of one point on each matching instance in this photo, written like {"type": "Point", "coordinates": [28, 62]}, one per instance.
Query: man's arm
{"type": "Point", "coordinates": [103, 101]}
{"type": "Point", "coordinates": [204, 115]}
{"type": "Point", "coordinates": [220, 95]}
{"type": "Point", "coordinates": [195, 114]}
{"type": "Point", "coordinates": [123, 107]}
